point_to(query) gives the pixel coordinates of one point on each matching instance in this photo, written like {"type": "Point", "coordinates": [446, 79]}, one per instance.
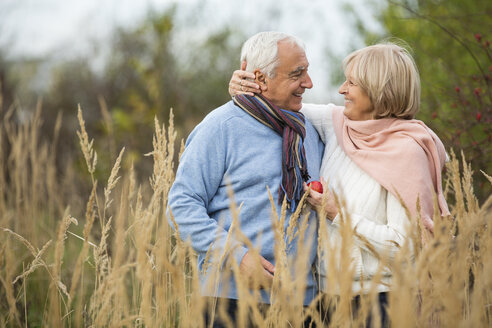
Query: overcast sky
{"type": "Point", "coordinates": [64, 28]}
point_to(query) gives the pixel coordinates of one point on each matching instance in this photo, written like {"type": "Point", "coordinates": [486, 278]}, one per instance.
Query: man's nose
{"type": "Point", "coordinates": [307, 83]}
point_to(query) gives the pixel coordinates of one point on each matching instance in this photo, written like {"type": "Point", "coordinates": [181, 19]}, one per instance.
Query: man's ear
{"type": "Point", "coordinates": [261, 80]}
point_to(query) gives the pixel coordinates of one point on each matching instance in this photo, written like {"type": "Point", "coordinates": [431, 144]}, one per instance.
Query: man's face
{"type": "Point", "coordinates": [292, 79]}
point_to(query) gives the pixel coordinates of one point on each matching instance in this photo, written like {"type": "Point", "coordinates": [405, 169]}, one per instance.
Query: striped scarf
{"type": "Point", "coordinates": [290, 126]}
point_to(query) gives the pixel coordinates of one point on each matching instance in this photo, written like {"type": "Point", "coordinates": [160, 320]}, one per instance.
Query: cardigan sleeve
{"type": "Point", "coordinates": [320, 118]}
{"type": "Point", "coordinates": [387, 238]}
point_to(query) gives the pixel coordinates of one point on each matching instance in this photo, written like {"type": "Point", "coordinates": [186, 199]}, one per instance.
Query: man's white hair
{"type": "Point", "coordinates": [261, 51]}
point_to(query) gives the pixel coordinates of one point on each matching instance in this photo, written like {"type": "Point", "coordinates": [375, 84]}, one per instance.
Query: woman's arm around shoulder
{"type": "Point", "coordinates": [320, 116]}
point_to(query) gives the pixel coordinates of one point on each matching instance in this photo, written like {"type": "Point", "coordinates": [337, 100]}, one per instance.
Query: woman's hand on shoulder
{"type": "Point", "coordinates": [316, 200]}
{"type": "Point", "coordinates": [242, 82]}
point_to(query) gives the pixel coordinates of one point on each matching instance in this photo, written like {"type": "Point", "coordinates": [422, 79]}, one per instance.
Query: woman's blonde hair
{"type": "Point", "coordinates": [389, 76]}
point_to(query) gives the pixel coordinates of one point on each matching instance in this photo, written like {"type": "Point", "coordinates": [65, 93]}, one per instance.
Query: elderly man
{"type": "Point", "coordinates": [247, 145]}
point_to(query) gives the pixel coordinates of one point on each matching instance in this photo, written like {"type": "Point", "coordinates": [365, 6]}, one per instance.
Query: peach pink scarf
{"type": "Point", "coordinates": [404, 156]}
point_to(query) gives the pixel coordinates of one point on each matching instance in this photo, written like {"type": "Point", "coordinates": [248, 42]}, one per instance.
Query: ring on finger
{"type": "Point", "coordinates": [241, 88]}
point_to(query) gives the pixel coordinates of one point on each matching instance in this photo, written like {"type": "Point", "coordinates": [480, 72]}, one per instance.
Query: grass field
{"type": "Point", "coordinates": [107, 257]}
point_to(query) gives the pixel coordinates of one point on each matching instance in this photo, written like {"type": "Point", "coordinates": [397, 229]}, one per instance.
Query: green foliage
{"type": "Point", "coordinates": [451, 45]}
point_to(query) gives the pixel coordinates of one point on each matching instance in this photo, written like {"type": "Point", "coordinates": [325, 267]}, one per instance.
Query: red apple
{"type": "Point", "coordinates": [316, 186]}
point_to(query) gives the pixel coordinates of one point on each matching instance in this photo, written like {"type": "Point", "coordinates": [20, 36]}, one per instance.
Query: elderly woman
{"type": "Point", "coordinates": [375, 154]}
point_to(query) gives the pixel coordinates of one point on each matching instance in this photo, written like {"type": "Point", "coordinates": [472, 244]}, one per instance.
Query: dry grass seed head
{"type": "Point", "coordinates": [89, 154]}
{"type": "Point", "coordinates": [35, 263]}
{"type": "Point", "coordinates": [112, 181]}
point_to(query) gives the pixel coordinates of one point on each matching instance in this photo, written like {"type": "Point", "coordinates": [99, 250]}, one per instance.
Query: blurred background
{"type": "Point", "coordinates": [126, 62]}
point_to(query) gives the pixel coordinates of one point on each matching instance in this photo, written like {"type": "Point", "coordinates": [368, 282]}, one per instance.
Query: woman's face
{"type": "Point", "coordinates": [358, 106]}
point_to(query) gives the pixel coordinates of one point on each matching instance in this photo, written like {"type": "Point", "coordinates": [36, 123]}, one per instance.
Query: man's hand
{"type": "Point", "coordinates": [257, 271]}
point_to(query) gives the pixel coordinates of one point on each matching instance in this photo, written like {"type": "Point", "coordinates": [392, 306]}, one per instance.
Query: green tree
{"type": "Point", "coordinates": [450, 40]}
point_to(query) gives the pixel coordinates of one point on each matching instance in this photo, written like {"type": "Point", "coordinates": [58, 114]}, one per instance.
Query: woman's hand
{"type": "Point", "coordinates": [242, 82]}
{"type": "Point", "coordinates": [315, 199]}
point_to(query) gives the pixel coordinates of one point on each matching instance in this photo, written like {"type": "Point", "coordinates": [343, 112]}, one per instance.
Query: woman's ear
{"type": "Point", "coordinates": [260, 79]}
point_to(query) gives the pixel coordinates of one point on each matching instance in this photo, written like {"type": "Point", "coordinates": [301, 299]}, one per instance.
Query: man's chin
{"type": "Point", "coordinates": [297, 107]}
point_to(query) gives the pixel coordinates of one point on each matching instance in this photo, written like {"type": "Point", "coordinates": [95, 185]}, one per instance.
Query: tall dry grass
{"type": "Point", "coordinates": [119, 263]}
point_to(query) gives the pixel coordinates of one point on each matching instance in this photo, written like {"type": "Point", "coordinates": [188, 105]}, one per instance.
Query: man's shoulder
{"type": "Point", "coordinates": [222, 113]}
{"type": "Point", "coordinates": [217, 120]}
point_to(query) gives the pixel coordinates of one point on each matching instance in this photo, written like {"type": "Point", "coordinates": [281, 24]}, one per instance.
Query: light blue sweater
{"type": "Point", "coordinates": [231, 147]}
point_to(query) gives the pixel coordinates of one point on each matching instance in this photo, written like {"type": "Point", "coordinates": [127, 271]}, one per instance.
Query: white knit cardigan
{"type": "Point", "coordinates": [375, 213]}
